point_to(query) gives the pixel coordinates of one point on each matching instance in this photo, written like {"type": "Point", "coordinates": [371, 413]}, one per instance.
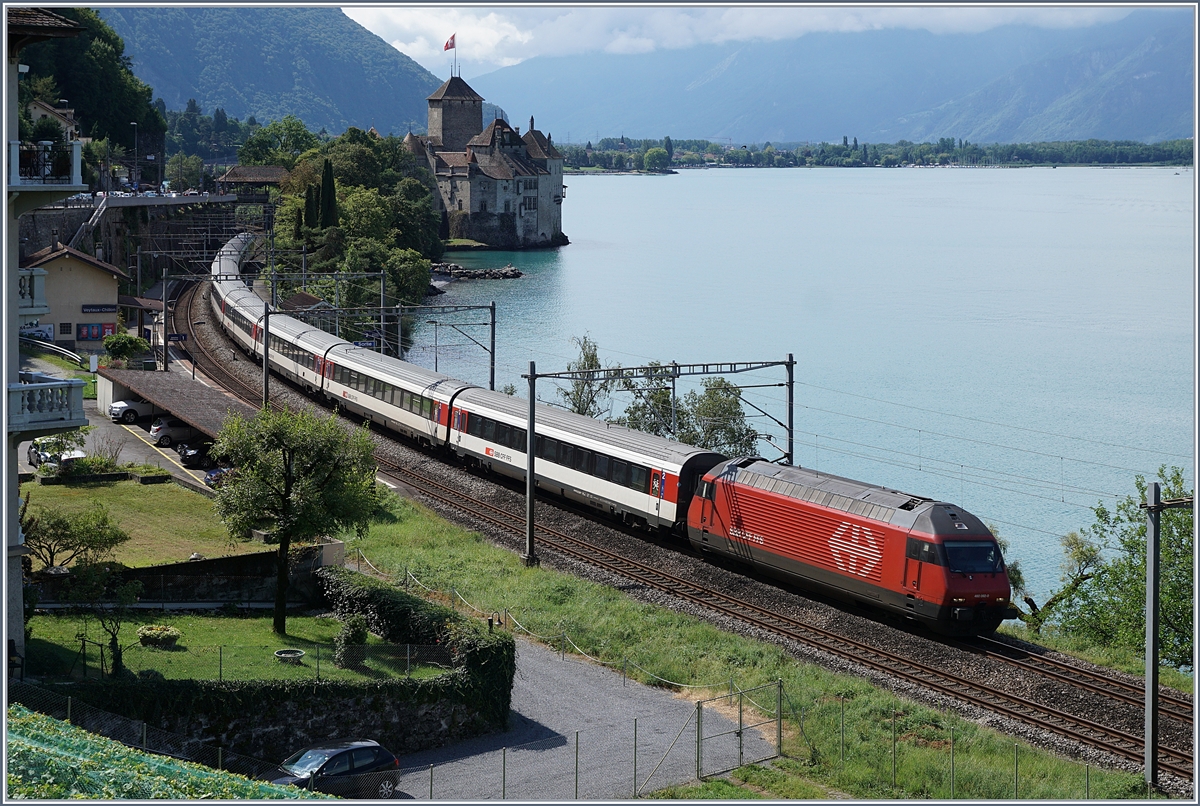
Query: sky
{"type": "Point", "coordinates": [490, 37]}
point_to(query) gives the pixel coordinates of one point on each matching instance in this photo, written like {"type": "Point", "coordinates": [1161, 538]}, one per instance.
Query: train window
{"type": "Point", "coordinates": [475, 425]}
{"type": "Point", "coordinates": [601, 467]}
{"type": "Point", "coordinates": [427, 407]}
{"type": "Point", "coordinates": [488, 432]}
{"type": "Point", "coordinates": [705, 489]}
{"type": "Point", "coordinates": [620, 472]}
{"type": "Point", "coordinates": [583, 460]}
{"type": "Point", "coordinates": [549, 449]}
{"type": "Point", "coordinates": [973, 556]}
{"type": "Point", "coordinates": [639, 478]}
{"type": "Point", "coordinates": [566, 454]}
{"type": "Point", "coordinates": [922, 550]}
{"type": "Point", "coordinates": [502, 434]}
{"type": "Point", "coordinates": [520, 439]}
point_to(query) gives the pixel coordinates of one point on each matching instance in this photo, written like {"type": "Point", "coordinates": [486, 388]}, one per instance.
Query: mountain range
{"type": "Point", "coordinates": [1127, 80]}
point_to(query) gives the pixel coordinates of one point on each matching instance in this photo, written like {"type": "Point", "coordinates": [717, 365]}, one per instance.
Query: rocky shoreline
{"type": "Point", "coordinates": [445, 273]}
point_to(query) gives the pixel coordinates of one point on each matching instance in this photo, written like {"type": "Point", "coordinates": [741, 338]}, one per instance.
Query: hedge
{"type": "Point", "coordinates": [489, 658]}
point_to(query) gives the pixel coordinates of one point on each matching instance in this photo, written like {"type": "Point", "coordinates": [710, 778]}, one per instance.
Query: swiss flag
{"type": "Point", "coordinates": [450, 41]}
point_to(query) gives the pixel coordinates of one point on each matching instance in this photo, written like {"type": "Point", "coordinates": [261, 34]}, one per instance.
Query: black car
{"type": "Point", "coordinates": [357, 768]}
{"type": "Point", "coordinates": [197, 454]}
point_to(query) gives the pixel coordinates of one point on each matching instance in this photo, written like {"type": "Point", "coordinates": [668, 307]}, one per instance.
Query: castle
{"type": "Point", "coordinates": [495, 185]}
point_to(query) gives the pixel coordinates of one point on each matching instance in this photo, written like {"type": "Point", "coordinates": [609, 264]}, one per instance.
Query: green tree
{"type": "Point", "coordinates": [56, 538]}
{"type": "Point", "coordinates": [365, 214]}
{"type": "Point", "coordinates": [656, 159]}
{"type": "Point", "coordinates": [408, 275]}
{"type": "Point", "coordinates": [94, 73]}
{"type": "Point", "coordinates": [1107, 606]}
{"type": "Point", "coordinates": [328, 199]}
{"type": "Point", "coordinates": [98, 588]}
{"type": "Point", "coordinates": [1081, 558]}
{"type": "Point", "coordinates": [123, 347]}
{"type": "Point", "coordinates": [669, 147]}
{"type": "Point", "coordinates": [280, 142]}
{"type": "Point", "coordinates": [588, 395]}
{"type": "Point", "coordinates": [300, 476]}
{"type": "Point", "coordinates": [714, 420]}
{"type": "Point", "coordinates": [651, 411]}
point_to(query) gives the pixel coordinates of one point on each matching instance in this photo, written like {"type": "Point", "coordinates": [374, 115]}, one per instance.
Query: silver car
{"type": "Point", "coordinates": [166, 431]}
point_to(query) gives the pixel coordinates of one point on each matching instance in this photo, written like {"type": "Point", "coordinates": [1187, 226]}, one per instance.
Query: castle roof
{"type": "Point", "coordinates": [414, 143]}
{"type": "Point", "coordinates": [498, 132]}
{"type": "Point", "coordinates": [455, 88]}
{"type": "Point", "coordinates": [505, 165]}
{"type": "Point", "coordinates": [538, 146]}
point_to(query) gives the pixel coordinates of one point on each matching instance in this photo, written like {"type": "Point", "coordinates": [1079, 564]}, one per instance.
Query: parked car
{"type": "Point", "coordinates": [39, 454]}
{"type": "Point", "coordinates": [133, 408]}
{"type": "Point", "coordinates": [167, 430]}
{"type": "Point", "coordinates": [196, 453]}
{"type": "Point", "coordinates": [217, 476]}
{"type": "Point", "coordinates": [358, 768]}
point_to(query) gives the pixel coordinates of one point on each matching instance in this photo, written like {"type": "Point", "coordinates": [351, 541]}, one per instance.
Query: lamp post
{"type": "Point", "coordinates": [133, 123]}
{"type": "Point", "coordinates": [435, 342]}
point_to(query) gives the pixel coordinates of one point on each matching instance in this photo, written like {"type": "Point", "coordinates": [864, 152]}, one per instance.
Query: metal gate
{"type": "Point", "coordinates": [758, 713]}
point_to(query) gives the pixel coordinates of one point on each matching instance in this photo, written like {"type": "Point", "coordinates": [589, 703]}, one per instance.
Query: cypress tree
{"type": "Point", "coordinates": [310, 206]}
{"type": "Point", "coordinates": [328, 198]}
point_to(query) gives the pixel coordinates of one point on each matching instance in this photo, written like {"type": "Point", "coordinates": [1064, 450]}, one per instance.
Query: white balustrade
{"type": "Point", "coordinates": [40, 401]}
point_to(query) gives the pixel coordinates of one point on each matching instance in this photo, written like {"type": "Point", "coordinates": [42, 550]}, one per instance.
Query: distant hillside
{"type": "Point", "coordinates": [1131, 79]}
{"type": "Point", "coordinates": [315, 63]}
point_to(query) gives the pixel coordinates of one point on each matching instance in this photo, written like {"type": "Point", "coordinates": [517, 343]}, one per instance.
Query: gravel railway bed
{"type": "Point", "coordinates": [972, 662]}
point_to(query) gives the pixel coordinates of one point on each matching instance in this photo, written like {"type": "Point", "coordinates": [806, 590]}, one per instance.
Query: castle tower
{"type": "Point", "coordinates": [455, 115]}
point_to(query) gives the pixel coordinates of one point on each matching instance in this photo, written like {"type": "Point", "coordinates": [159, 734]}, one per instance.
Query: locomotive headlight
{"type": "Point", "coordinates": [958, 601]}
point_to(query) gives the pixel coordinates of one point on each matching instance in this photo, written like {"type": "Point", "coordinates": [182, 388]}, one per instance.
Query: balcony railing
{"type": "Point", "coordinates": [45, 163]}
{"type": "Point", "coordinates": [31, 293]}
{"type": "Point", "coordinates": [45, 404]}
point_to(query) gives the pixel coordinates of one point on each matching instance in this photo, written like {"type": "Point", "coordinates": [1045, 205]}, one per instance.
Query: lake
{"type": "Point", "coordinates": [1017, 341]}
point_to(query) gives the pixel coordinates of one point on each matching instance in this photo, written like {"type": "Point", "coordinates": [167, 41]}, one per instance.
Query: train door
{"type": "Point", "coordinates": [920, 562]}
{"type": "Point", "coordinates": [658, 486]}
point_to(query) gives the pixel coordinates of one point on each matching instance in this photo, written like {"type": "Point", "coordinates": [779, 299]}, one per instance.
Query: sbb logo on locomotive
{"type": "Point", "coordinates": [857, 554]}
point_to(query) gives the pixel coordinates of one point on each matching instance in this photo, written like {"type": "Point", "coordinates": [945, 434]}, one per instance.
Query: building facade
{"type": "Point", "coordinates": [80, 293]}
{"type": "Point", "coordinates": [494, 184]}
{"type": "Point", "coordinates": [38, 404]}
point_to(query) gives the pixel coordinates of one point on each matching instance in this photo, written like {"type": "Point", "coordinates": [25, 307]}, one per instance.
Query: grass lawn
{"type": "Point", "coordinates": [606, 624]}
{"type": "Point", "coordinates": [69, 369]}
{"type": "Point", "coordinates": [247, 647]}
{"type": "Point", "coordinates": [166, 523]}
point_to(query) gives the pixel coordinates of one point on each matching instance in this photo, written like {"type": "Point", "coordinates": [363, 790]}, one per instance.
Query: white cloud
{"type": "Point", "coordinates": [490, 38]}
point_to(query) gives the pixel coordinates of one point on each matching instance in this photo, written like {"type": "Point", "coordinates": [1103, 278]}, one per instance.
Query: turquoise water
{"type": "Point", "coordinates": [1016, 341]}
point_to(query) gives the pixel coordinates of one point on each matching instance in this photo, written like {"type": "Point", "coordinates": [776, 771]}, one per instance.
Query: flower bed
{"type": "Point", "coordinates": [158, 635]}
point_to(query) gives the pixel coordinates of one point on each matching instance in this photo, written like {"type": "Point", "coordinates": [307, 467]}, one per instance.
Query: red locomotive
{"type": "Point", "coordinates": [930, 561]}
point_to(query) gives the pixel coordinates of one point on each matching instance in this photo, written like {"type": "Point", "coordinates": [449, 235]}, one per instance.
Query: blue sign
{"type": "Point", "coordinates": [176, 337]}
{"type": "Point", "coordinates": [364, 344]}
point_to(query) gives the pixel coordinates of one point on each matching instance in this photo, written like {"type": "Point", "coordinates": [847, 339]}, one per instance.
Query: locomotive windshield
{"type": "Point", "coordinates": [973, 556]}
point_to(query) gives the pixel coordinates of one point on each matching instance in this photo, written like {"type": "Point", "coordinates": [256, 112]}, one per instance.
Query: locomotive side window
{"type": "Point", "coordinates": [705, 489]}
{"type": "Point", "coordinates": [923, 551]}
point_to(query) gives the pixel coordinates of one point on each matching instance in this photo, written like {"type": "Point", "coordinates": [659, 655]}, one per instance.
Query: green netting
{"type": "Point", "coordinates": [49, 759]}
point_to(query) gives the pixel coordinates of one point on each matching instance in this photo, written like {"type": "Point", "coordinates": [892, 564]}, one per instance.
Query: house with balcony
{"type": "Point", "coordinates": [38, 405]}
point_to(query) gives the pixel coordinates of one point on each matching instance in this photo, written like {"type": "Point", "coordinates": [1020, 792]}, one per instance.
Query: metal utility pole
{"type": "Point", "coordinates": [530, 556]}
{"type": "Point", "coordinates": [447, 309]}
{"type": "Point", "coordinates": [1154, 507]}
{"type": "Point", "coordinates": [266, 364]}
{"type": "Point", "coordinates": [630, 373]}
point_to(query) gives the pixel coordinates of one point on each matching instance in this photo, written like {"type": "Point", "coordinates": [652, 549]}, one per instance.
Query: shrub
{"type": "Point", "coordinates": [158, 635]}
{"type": "Point", "coordinates": [349, 644]}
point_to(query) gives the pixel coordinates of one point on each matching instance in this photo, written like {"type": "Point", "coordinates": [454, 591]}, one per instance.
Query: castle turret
{"type": "Point", "coordinates": [455, 115]}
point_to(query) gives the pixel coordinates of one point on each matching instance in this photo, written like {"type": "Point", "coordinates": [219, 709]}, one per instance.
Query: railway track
{"type": "Point", "coordinates": [1118, 743]}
